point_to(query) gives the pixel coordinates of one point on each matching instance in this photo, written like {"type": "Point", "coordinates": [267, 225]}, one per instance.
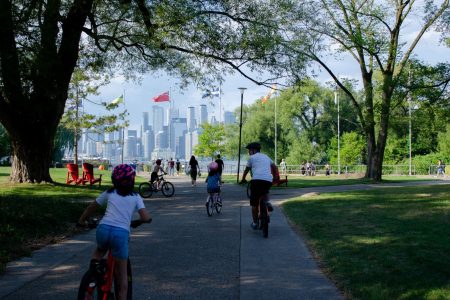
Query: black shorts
{"type": "Point", "coordinates": [258, 189]}
{"type": "Point", "coordinates": [153, 177]}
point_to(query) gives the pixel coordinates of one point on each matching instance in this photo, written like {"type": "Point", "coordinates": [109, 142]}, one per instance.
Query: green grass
{"type": "Point", "coordinates": [35, 214]}
{"type": "Point", "coordinates": [296, 181]}
{"type": "Point", "coordinates": [390, 243]}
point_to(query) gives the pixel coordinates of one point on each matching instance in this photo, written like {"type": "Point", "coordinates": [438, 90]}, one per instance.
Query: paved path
{"type": "Point", "coordinates": [184, 254]}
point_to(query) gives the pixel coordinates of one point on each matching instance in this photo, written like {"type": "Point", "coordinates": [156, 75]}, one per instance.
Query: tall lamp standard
{"type": "Point", "coordinates": [336, 101]}
{"type": "Point", "coordinates": [242, 89]}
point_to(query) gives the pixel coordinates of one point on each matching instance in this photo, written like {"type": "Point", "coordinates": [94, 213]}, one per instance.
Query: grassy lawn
{"type": "Point", "coordinates": [36, 214]}
{"type": "Point", "coordinates": [296, 181]}
{"type": "Point", "coordinates": [380, 244]}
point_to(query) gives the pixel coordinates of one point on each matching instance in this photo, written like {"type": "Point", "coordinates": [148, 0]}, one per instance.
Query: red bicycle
{"type": "Point", "coordinates": [100, 284]}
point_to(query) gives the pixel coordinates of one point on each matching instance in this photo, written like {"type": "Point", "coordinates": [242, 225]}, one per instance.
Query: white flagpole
{"type": "Point", "coordinates": [123, 131]}
{"type": "Point", "coordinates": [220, 103]}
{"type": "Point", "coordinates": [169, 122]}
{"type": "Point", "coordinates": [276, 161]}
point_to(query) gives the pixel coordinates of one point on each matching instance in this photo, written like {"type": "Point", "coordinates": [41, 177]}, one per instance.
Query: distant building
{"type": "Point", "coordinates": [203, 114]}
{"type": "Point", "coordinates": [229, 117]}
{"type": "Point", "coordinates": [190, 119]}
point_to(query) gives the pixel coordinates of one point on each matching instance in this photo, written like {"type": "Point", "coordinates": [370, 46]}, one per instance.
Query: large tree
{"type": "Point", "coordinates": [42, 41]}
{"type": "Point", "coordinates": [372, 33]}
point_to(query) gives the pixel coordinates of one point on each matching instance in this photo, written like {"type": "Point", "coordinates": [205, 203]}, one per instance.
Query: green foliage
{"type": "Point", "coordinates": [397, 149]}
{"type": "Point", "coordinates": [352, 147]}
{"type": "Point", "coordinates": [63, 141]}
{"type": "Point", "coordinates": [83, 84]}
{"type": "Point", "coordinates": [210, 141]}
{"type": "Point", "coordinates": [444, 144]}
{"type": "Point", "coordinates": [303, 150]}
{"type": "Point", "coordinates": [231, 141]}
{"type": "Point", "coordinates": [5, 143]}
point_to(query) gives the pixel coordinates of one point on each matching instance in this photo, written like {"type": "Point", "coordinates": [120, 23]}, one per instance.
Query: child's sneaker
{"type": "Point", "coordinates": [269, 206]}
{"type": "Point", "coordinates": [254, 226]}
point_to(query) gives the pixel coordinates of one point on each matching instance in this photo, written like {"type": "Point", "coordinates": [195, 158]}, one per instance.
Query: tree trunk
{"type": "Point", "coordinates": [32, 145]}
{"type": "Point", "coordinates": [31, 106]}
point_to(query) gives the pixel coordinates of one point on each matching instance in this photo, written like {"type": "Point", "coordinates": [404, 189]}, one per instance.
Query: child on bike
{"type": "Point", "coordinates": [155, 170]}
{"type": "Point", "coordinates": [213, 180]}
{"type": "Point", "coordinates": [113, 230]}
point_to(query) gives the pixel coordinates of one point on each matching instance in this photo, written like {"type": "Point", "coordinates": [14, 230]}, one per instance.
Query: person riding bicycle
{"type": "Point", "coordinates": [261, 167]}
{"type": "Point", "coordinates": [155, 170]}
{"type": "Point", "coordinates": [213, 180]}
{"type": "Point", "coordinates": [113, 230]}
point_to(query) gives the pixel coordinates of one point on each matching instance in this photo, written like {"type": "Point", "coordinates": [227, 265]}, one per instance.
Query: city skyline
{"type": "Point", "coordinates": [164, 135]}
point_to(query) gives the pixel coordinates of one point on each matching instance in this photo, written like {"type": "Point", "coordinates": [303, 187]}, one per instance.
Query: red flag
{"type": "Point", "coordinates": [267, 97]}
{"type": "Point", "coordinates": [161, 98]}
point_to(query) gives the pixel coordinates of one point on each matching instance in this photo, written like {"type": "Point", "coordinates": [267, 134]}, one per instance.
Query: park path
{"type": "Point", "coordinates": [184, 254]}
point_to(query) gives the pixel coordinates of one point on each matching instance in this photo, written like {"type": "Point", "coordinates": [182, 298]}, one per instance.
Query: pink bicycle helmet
{"type": "Point", "coordinates": [213, 166]}
{"type": "Point", "coordinates": [123, 175]}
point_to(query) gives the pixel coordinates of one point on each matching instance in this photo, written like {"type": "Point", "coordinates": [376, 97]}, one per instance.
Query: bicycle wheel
{"type": "Point", "coordinates": [167, 189]}
{"type": "Point", "coordinates": [249, 189]}
{"type": "Point", "coordinates": [218, 203]}
{"type": "Point", "coordinates": [145, 190]}
{"type": "Point", "coordinates": [264, 220]}
{"type": "Point", "coordinates": [130, 283]}
{"type": "Point", "coordinates": [89, 288]}
{"type": "Point", "coordinates": [209, 205]}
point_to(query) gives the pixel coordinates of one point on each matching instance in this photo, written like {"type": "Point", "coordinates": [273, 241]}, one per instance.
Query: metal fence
{"type": "Point", "coordinates": [321, 169]}
{"type": "Point", "coordinates": [231, 169]}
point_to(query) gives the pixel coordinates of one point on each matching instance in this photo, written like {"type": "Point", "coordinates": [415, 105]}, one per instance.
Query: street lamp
{"type": "Point", "coordinates": [336, 101]}
{"type": "Point", "coordinates": [242, 89]}
{"type": "Point", "coordinates": [410, 135]}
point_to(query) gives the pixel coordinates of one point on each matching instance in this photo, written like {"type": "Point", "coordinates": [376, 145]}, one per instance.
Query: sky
{"type": "Point", "coordinates": [138, 97]}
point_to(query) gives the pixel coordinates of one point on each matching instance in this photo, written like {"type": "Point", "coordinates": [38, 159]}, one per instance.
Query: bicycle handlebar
{"type": "Point", "coordinates": [94, 222]}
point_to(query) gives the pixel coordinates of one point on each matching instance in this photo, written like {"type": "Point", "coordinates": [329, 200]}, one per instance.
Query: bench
{"type": "Point", "coordinates": [277, 180]}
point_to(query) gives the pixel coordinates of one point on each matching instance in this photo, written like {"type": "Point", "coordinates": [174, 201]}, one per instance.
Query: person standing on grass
{"type": "Point", "coordinates": [283, 166]}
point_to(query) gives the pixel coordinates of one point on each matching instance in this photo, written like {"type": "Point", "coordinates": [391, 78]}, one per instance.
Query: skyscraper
{"type": "Point", "coordinates": [190, 118]}
{"type": "Point", "coordinates": [145, 124]}
{"type": "Point", "coordinates": [158, 118]}
{"type": "Point", "coordinates": [203, 114]}
{"type": "Point", "coordinates": [148, 141]}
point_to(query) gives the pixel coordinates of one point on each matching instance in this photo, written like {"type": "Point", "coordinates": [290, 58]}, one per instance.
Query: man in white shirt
{"type": "Point", "coordinates": [261, 166]}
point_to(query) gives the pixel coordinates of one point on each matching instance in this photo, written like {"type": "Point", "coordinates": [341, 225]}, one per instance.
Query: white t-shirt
{"type": "Point", "coordinates": [260, 165]}
{"type": "Point", "coordinates": [119, 209]}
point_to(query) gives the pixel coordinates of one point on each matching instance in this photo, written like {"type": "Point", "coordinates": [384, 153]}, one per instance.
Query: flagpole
{"type": "Point", "coordinates": [276, 161]}
{"type": "Point", "coordinates": [123, 131]}
{"type": "Point", "coordinates": [169, 122]}
{"type": "Point", "coordinates": [220, 103]}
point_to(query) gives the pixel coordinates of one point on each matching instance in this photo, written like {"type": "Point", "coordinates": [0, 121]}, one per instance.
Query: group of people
{"type": "Point", "coordinates": [308, 169]}
{"type": "Point", "coordinates": [122, 202]}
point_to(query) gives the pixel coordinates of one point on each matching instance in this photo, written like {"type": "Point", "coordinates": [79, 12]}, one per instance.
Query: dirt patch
{"type": "Point", "coordinates": [312, 194]}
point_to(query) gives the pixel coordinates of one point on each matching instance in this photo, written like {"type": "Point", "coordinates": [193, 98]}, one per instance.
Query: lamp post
{"type": "Point", "coordinates": [410, 136]}
{"type": "Point", "coordinates": [242, 89]}
{"type": "Point", "coordinates": [410, 127]}
{"type": "Point", "coordinates": [336, 101]}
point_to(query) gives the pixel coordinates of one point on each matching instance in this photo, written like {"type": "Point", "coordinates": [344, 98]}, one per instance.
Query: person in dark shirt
{"type": "Point", "coordinates": [221, 166]}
